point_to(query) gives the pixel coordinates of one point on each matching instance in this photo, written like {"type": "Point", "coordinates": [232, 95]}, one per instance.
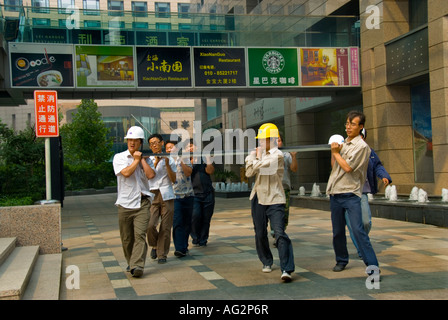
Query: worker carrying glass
{"type": "Point", "coordinates": [268, 200]}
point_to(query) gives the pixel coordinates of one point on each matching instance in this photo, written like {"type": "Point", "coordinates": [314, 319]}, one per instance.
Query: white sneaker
{"type": "Point", "coordinates": [266, 269]}
{"type": "Point", "coordinates": [286, 276]}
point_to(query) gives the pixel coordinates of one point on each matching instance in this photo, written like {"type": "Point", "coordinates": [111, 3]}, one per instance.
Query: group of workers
{"type": "Point", "coordinates": [145, 189]}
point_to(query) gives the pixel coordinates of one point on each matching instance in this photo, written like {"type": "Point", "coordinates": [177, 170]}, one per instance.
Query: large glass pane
{"type": "Point", "coordinates": [422, 129]}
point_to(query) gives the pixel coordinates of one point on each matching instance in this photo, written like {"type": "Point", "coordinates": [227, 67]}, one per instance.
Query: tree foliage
{"type": "Point", "coordinates": [84, 140]}
{"type": "Point", "coordinates": [22, 163]}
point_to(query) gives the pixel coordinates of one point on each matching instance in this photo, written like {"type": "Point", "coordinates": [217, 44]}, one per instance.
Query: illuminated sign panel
{"type": "Point", "coordinates": [273, 67]}
{"type": "Point", "coordinates": [41, 65]}
{"type": "Point", "coordinates": [219, 67]}
{"type": "Point", "coordinates": [104, 66]}
{"type": "Point", "coordinates": [164, 66]}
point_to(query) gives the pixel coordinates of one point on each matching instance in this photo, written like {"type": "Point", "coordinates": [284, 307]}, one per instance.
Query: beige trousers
{"type": "Point", "coordinates": [133, 224]}
{"type": "Point", "coordinates": [162, 211]}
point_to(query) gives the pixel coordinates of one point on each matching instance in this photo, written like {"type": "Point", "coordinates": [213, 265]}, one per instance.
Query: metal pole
{"type": "Point", "coordinates": [48, 167]}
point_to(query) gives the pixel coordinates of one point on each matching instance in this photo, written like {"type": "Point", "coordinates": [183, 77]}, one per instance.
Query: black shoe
{"type": "Point", "coordinates": [338, 267]}
{"type": "Point", "coordinates": [162, 261]}
{"type": "Point", "coordinates": [153, 254]}
{"type": "Point", "coordinates": [137, 272]}
{"type": "Point", "coordinates": [179, 254]}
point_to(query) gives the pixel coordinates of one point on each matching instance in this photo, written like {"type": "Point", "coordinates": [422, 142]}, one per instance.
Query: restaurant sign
{"type": "Point", "coordinates": [164, 66]}
{"type": "Point", "coordinates": [219, 67]}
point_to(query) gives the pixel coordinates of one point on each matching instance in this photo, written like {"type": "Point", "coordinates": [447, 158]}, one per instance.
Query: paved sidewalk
{"type": "Point", "coordinates": [413, 259]}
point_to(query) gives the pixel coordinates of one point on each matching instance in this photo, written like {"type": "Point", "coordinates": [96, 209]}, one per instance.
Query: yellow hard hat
{"type": "Point", "coordinates": [267, 130]}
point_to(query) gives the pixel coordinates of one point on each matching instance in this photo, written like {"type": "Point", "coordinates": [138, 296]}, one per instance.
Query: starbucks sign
{"type": "Point", "coordinates": [273, 61]}
{"type": "Point", "coordinates": [273, 67]}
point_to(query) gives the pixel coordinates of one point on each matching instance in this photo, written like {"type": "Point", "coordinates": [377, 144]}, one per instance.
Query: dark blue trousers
{"type": "Point", "coordinates": [350, 202]}
{"type": "Point", "coordinates": [202, 215]}
{"type": "Point", "coordinates": [276, 216]}
{"type": "Point", "coordinates": [183, 211]}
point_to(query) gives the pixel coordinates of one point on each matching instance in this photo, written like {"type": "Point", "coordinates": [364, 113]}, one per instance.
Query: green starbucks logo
{"type": "Point", "coordinates": [273, 61]}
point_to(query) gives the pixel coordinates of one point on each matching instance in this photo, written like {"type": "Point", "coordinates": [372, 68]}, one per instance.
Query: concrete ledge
{"type": "Point", "coordinates": [36, 225]}
{"type": "Point", "coordinates": [84, 192]}
{"type": "Point", "coordinates": [240, 194]}
{"type": "Point", "coordinates": [427, 213]}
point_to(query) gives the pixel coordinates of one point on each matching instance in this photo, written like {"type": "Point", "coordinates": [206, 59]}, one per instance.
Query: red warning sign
{"type": "Point", "coordinates": [46, 111]}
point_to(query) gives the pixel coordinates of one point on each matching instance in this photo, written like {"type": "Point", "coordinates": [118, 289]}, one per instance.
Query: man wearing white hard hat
{"type": "Point", "coordinates": [133, 200]}
{"type": "Point", "coordinates": [349, 161]}
{"type": "Point", "coordinates": [268, 200]}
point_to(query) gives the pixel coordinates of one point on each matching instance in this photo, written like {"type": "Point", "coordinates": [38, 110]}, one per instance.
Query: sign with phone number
{"type": "Point", "coordinates": [219, 67]}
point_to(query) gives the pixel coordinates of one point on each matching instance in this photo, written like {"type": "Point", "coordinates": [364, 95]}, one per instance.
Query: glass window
{"type": "Point", "coordinates": [13, 5]}
{"type": "Point", "coordinates": [116, 24]}
{"type": "Point", "coordinates": [139, 25]}
{"type": "Point", "coordinates": [184, 26]}
{"type": "Point", "coordinates": [139, 9]}
{"type": "Point", "coordinates": [183, 9]}
{"type": "Point", "coordinates": [92, 24]}
{"type": "Point", "coordinates": [422, 133]}
{"type": "Point", "coordinates": [40, 6]}
{"type": "Point", "coordinates": [63, 4]}
{"type": "Point", "coordinates": [163, 26]}
{"type": "Point", "coordinates": [91, 7]}
{"type": "Point", "coordinates": [41, 22]}
{"type": "Point", "coordinates": [214, 109]}
{"type": "Point", "coordinates": [162, 9]}
{"type": "Point", "coordinates": [418, 13]}
{"type": "Point", "coordinates": [115, 8]}
{"type": "Point", "coordinates": [62, 23]}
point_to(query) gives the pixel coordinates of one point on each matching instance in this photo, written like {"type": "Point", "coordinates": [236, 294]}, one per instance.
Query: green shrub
{"type": "Point", "coordinates": [6, 201]}
{"type": "Point", "coordinates": [86, 176]}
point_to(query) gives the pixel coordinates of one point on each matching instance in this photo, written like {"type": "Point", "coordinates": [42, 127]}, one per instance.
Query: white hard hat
{"type": "Point", "coordinates": [135, 133]}
{"type": "Point", "coordinates": [336, 138]}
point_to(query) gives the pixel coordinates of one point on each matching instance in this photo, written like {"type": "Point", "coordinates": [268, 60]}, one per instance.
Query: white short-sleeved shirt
{"type": "Point", "coordinates": [131, 189]}
{"type": "Point", "coordinates": [161, 181]}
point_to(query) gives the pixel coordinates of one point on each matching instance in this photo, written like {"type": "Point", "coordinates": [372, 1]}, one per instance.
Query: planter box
{"type": "Point", "coordinates": [33, 225]}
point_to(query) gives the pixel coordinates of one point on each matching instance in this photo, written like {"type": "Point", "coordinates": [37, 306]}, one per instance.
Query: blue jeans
{"type": "Point", "coordinates": [340, 203]}
{"type": "Point", "coordinates": [183, 211]}
{"type": "Point", "coordinates": [202, 215]}
{"type": "Point", "coordinates": [276, 215]}
{"type": "Point", "coordinates": [366, 219]}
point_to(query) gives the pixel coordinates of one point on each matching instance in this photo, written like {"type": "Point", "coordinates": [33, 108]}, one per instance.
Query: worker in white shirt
{"type": "Point", "coordinates": [162, 208]}
{"type": "Point", "coordinates": [133, 200]}
{"type": "Point", "coordinates": [268, 200]}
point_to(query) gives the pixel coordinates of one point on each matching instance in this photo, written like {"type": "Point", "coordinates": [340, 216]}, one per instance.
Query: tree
{"type": "Point", "coordinates": [87, 149]}
{"type": "Point", "coordinates": [22, 163]}
{"type": "Point", "coordinates": [85, 139]}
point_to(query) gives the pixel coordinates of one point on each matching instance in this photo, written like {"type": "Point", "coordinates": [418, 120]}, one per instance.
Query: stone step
{"type": "Point", "coordinates": [7, 245]}
{"type": "Point", "coordinates": [45, 279]}
{"type": "Point", "coordinates": [15, 272]}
